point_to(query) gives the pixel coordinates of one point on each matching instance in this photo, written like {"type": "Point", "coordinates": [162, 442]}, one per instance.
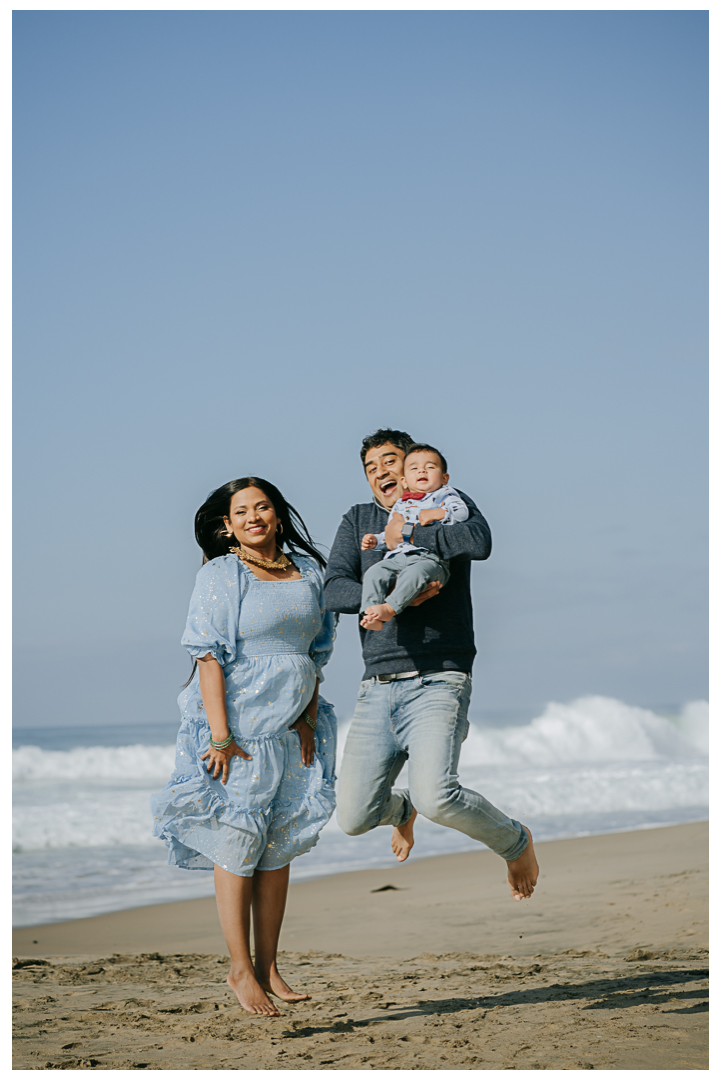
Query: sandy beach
{"type": "Point", "coordinates": [429, 965]}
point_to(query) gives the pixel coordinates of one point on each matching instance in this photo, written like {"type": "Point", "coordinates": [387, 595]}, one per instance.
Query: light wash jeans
{"type": "Point", "coordinates": [422, 721]}
{"type": "Point", "coordinates": [409, 571]}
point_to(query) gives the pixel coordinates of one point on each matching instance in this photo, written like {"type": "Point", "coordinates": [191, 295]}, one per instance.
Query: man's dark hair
{"type": "Point", "coordinates": [431, 449]}
{"type": "Point", "coordinates": [400, 439]}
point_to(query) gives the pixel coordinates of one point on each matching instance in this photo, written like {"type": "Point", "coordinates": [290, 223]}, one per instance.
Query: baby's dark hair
{"type": "Point", "coordinates": [400, 439]}
{"type": "Point", "coordinates": [432, 449]}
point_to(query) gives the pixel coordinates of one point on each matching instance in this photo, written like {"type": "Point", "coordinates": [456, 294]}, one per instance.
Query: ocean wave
{"type": "Point", "coordinates": [93, 763]}
{"type": "Point", "coordinates": [592, 729]}
{"type": "Point", "coordinates": [589, 729]}
{"type": "Point", "coordinates": [594, 755]}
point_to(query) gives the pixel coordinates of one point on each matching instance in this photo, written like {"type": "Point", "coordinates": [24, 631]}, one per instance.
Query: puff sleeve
{"type": "Point", "coordinates": [212, 621]}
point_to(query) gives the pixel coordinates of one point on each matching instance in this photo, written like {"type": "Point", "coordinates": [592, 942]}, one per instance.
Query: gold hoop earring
{"type": "Point", "coordinates": [279, 528]}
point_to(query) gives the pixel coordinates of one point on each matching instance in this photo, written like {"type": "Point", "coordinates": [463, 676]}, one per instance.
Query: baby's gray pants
{"type": "Point", "coordinates": [412, 571]}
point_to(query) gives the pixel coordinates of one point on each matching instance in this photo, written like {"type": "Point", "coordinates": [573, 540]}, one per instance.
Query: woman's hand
{"type": "Point", "coordinates": [220, 759]}
{"type": "Point", "coordinates": [307, 740]}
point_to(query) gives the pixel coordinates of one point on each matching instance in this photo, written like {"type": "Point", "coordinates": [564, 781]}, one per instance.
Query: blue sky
{"type": "Point", "coordinates": [244, 240]}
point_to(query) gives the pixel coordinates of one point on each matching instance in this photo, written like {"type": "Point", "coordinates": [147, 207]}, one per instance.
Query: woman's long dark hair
{"type": "Point", "coordinates": [211, 530]}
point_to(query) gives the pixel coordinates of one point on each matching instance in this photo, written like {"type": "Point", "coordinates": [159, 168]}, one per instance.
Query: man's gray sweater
{"type": "Point", "coordinates": [438, 634]}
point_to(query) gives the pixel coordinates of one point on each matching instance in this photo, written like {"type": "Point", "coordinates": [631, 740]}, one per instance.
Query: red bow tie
{"type": "Point", "coordinates": [413, 495]}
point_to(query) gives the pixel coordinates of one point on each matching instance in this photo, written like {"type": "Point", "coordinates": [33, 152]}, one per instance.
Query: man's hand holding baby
{"type": "Point", "coordinates": [425, 517]}
{"type": "Point", "coordinates": [393, 531]}
{"type": "Point", "coordinates": [369, 541]}
{"type": "Point", "coordinates": [427, 594]}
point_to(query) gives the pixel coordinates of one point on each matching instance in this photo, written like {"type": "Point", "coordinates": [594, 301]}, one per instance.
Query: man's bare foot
{"type": "Point", "coordinates": [376, 615]}
{"type": "Point", "coordinates": [273, 983]}
{"type": "Point", "coordinates": [250, 994]}
{"type": "Point", "coordinates": [523, 872]}
{"type": "Point", "coordinates": [402, 838]}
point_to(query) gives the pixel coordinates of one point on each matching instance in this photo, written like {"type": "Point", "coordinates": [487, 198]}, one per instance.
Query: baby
{"type": "Point", "coordinates": [427, 498]}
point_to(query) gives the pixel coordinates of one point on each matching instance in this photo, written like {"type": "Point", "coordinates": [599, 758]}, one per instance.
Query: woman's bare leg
{"type": "Point", "coordinates": [234, 897]}
{"type": "Point", "coordinates": [268, 907]}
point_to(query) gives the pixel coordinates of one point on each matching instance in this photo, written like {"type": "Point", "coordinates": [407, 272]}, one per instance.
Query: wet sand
{"type": "Point", "coordinates": [605, 967]}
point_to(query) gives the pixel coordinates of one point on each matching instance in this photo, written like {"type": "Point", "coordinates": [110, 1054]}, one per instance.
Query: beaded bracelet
{"type": "Point", "coordinates": [312, 724]}
{"type": "Point", "coordinates": [221, 744]}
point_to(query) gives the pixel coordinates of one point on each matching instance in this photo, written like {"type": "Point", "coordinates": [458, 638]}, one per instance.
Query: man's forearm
{"type": "Point", "coordinates": [343, 588]}
{"type": "Point", "coordinates": [342, 594]}
{"type": "Point", "coordinates": [470, 538]}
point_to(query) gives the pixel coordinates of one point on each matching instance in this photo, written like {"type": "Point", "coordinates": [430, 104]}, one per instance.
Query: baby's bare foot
{"type": "Point", "coordinates": [402, 838]}
{"type": "Point", "coordinates": [376, 615]}
{"type": "Point", "coordinates": [250, 994]}
{"type": "Point", "coordinates": [523, 872]}
{"type": "Point", "coordinates": [274, 983]}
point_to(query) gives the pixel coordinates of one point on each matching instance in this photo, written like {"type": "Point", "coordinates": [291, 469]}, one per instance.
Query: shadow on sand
{"type": "Point", "coordinates": [652, 987]}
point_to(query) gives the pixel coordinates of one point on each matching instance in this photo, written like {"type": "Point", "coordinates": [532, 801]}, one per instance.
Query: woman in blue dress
{"type": "Point", "coordinates": [254, 770]}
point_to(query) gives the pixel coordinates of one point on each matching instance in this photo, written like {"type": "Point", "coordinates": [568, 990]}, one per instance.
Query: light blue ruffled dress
{"type": "Point", "coordinates": [272, 639]}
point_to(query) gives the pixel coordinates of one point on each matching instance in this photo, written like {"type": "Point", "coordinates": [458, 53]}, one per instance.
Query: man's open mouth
{"type": "Point", "coordinates": [388, 485]}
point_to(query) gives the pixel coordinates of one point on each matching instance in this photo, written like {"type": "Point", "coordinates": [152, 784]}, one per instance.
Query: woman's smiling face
{"type": "Point", "coordinates": [252, 518]}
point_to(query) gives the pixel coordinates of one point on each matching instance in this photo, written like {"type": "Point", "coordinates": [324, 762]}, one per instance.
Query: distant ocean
{"type": "Point", "coordinates": [82, 827]}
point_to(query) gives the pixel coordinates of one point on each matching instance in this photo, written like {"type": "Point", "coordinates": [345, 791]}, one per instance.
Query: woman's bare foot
{"type": "Point", "coordinates": [273, 983]}
{"type": "Point", "coordinates": [402, 838]}
{"type": "Point", "coordinates": [523, 872]}
{"type": "Point", "coordinates": [376, 615]}
{"type": "Point", "coordinates": [250, 994]}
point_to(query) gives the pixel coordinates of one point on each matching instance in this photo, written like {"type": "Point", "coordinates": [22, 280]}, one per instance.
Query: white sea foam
{"type": "Point", "coordinates": [93, 816]}
{"type": "Point", "coordinates": [594, 756]}
{"type": "Point", "coordinates": [694, 723]}
{"type": "Point", "coordinates": [92, 763]}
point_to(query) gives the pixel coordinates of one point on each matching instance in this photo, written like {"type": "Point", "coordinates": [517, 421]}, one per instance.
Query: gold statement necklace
{"type": "Point", "coordinates": [280, 563]}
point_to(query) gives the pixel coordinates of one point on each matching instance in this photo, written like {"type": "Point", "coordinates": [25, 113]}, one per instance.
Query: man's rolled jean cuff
{"type": "Point", "coordinates": [408, 807]}
{"type": "Point", "coordinates": [517, 849]}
